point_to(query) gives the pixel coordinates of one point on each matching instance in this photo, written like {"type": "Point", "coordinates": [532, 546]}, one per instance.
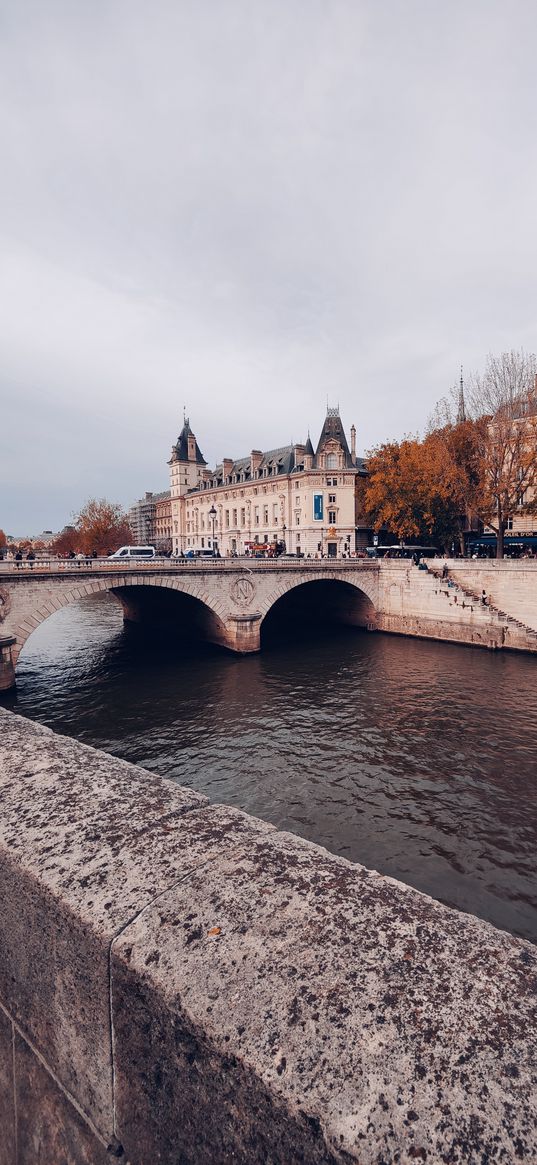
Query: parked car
{"type": "Point", "coordinates": [134, 552]}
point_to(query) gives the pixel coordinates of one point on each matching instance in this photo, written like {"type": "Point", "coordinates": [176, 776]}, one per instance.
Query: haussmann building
{"type": "Point", "coordinates": [304, 499]}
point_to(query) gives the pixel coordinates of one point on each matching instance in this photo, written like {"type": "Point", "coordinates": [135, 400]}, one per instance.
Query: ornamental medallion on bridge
{"type": "Point", "coordinates": [242, 590]}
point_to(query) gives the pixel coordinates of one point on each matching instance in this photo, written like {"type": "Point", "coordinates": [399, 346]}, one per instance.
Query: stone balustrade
{"type": "Point", "coordinates": [180, 982]}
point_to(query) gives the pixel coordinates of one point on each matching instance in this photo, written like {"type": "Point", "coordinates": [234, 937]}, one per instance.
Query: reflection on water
{"type": "Point", "coordinates": [418, 759]}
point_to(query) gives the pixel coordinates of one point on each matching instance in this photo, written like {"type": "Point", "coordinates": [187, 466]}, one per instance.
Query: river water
{"type": "Point", "coordinates": [418, 759]}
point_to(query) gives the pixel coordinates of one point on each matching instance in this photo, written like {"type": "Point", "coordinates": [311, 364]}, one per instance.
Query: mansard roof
{"type": "Point", "coordinates": [180, 449]}
{"type": "Point", "coordinates": [282, 460]}
{"type": "Point", "coordinates": [333, 430]}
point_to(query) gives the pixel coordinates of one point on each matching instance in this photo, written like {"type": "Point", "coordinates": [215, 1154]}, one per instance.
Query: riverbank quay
{"type": "Point", "coordinates": [182, 982]}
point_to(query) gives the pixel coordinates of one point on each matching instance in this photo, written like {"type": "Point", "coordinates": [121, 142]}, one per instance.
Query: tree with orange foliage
{"type": "Point", "coordinates": [3, 540]}
{"type": "Point", "coordinates": [422, 491]}
{"type": "Point", "coordinates": [506, 399]}
{"type": "Point", "coordinates": [394, 498]}
{"type": "Point", "coordinates": [66, 542]}
{"type": "Point", "coordinates": [102, 527]}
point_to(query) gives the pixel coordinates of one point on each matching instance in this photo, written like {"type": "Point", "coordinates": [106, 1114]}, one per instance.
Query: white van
{"type": "Point", "coordinates": [134, 552]}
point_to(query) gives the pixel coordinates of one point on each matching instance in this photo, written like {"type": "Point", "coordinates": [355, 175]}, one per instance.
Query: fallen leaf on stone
{"type": "Point", "coordinates": [215, 930]}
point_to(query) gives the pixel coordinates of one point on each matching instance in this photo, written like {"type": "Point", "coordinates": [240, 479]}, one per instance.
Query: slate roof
{"type": "Point", "coordinates": [180, 449]}
{"type": "Point", "coordinates": [333, 429]}
{"type": "Point", "coordinates": [283, 459]}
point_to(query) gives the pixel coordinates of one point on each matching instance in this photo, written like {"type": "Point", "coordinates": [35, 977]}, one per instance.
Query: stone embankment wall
{"type": "Point", "coordinates": [416, 602]}
{"type": "Point", "coordinates": [511, 585]}
{"type": "Point", "coordinates": [180, 982]}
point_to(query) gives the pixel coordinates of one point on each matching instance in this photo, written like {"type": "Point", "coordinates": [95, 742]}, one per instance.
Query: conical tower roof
{"type": "Point", "coordinates": [333, 430]}
{"type": "Point", "coordinates": [180, 449]}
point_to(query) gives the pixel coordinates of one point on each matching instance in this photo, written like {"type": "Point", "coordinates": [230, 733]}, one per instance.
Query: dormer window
{"type": "Point", "coordinates": [331, 460]}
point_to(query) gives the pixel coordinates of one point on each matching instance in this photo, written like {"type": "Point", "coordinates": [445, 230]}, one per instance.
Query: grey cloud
{"type": "Point", "coordinates": [243, 208]}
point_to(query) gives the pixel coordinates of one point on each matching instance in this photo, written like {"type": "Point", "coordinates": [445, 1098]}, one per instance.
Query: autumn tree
{"type": "Point", "coordinates": [423, 490]}
{"type": "Point", "coordinates": [3, 540]}
{"type": "Point", "coordinates": [66, 542]}
{"type": "Point", "coordinates": [505, 397]}
{"type": "Point", "coordinates": [102, 527]}
{"type": "Point", "coordinates": [393, 499]}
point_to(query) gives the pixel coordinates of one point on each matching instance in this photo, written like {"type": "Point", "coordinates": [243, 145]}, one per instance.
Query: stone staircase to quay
{"type": "Point", "coordinates": [509, 622]}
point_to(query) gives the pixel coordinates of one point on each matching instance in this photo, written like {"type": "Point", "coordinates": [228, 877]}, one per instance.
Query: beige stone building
{"type": "Point", "coordinates": [295, 497]}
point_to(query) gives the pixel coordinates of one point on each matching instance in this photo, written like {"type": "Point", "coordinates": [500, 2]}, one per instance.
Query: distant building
{"type": "Point", "coordinates": [304, 498]}
{"type": "Point", "coordinates": [150, 520]}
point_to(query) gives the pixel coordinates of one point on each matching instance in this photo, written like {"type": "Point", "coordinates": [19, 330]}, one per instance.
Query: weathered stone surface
{"type": "Point", "coordinates": [285, 1005]}
{"type": "Point", "coordinates": [86, 842]}
{"type": "Point", "coordinates": [7, 1106]}
{"type": "Point", "coordinates": [50, 1131]}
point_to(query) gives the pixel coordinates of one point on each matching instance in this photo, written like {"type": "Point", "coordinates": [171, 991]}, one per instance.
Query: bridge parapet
{"type": "Point", "coordinates": [184, 982]}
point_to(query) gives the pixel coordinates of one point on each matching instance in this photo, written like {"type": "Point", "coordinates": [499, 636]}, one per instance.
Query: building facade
{"type": "Point", "coordinates": [150, 519]}
{"type": "Point", "coordinates": [295, 497]}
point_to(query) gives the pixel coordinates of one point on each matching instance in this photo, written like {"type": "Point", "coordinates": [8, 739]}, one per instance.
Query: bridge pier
{"type": "Point", "coordinates": [7, 665]}
{"type": "Point", "coordinates": [244, 633]}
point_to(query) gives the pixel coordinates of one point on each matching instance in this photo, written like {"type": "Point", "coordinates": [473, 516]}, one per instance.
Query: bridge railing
{"type": "Point", "coordinates": [174, 565]}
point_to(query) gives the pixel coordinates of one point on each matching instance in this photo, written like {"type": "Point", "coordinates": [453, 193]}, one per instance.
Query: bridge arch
{"type": "Point", "coordinates": [331, 599]}
{"type": "Point", "coordinates": [139, 596]}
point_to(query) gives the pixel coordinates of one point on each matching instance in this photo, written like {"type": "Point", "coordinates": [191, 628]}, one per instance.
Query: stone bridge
{"type": "Point", "coordinates": [232, 603]}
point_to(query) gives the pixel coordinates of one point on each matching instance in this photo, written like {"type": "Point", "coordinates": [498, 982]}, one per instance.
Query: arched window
{"type": "Point", "coordinates": [331, 460]}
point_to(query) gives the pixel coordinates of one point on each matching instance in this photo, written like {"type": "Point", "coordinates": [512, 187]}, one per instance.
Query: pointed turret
{"type": "Point", "coordinates": [333, 443]}
{"type": "Point", "coordinates": [186, 447]}
{"type": "Point", "coordinates": [186, 463]}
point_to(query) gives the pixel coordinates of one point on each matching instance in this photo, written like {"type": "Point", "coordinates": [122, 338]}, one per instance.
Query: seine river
{"type": "Point", "coordinates": [417, 759]}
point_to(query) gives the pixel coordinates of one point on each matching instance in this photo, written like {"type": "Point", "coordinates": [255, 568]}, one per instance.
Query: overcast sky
{"type": "Point", "coordinates": [247, 207]}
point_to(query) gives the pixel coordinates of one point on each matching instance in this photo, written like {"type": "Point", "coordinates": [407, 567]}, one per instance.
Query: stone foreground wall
{"type": "Point", "coordinates": [181, 983]}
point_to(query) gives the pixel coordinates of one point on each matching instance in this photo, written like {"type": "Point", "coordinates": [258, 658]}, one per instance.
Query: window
{"type": "Point", "coordinates": [509, 523]}
{"type": "Point", "coordinates": [234, 518]}
{"type": "Point", "coordinates": [243, 516]}
{"type": "Point", "coordinates": [331, 499]}
{"type": "Point", "coordinates": [265, 515]}
{"type": "Point", "coordinates": [332, 517]}
{"type": "Point", "coordinates": [275, 512]}
{"type": "Point", "coordinates": [331, 461]}
{"type": "Point", "coordinates": [331, 481]}
{"type": "Point", "coordinates": [298, 537]}
{"type": "Point", "coordinates": [227, 519]}
{"type": "Point", "coordinates": [256, 515]}
{"type": "Point", "coordinates": [297, 484]}
{"type": "Point", "coordinates": [297, 519]}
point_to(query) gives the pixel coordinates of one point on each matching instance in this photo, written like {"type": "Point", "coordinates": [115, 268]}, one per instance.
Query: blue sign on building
{"type": "Point", "coordinates": [318, 508]}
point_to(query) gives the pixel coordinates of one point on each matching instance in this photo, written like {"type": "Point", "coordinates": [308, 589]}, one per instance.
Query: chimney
{"type": "Point", "coordinates": [353, 444]}
{"type": "Point", "coordinates": [299, 454]}
{"type": "Point", "coordinates": [227, 466]}
{"type": "Point", "coordinates": [191, 447]}
{"type": "Point", "coordinates": [256, 458]}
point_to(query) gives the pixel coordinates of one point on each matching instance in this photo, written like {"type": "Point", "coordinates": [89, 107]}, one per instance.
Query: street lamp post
{"type": "Point", "coordinates": [212, 515]}
{"type": "Point", "coordinates": [284, 529]}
